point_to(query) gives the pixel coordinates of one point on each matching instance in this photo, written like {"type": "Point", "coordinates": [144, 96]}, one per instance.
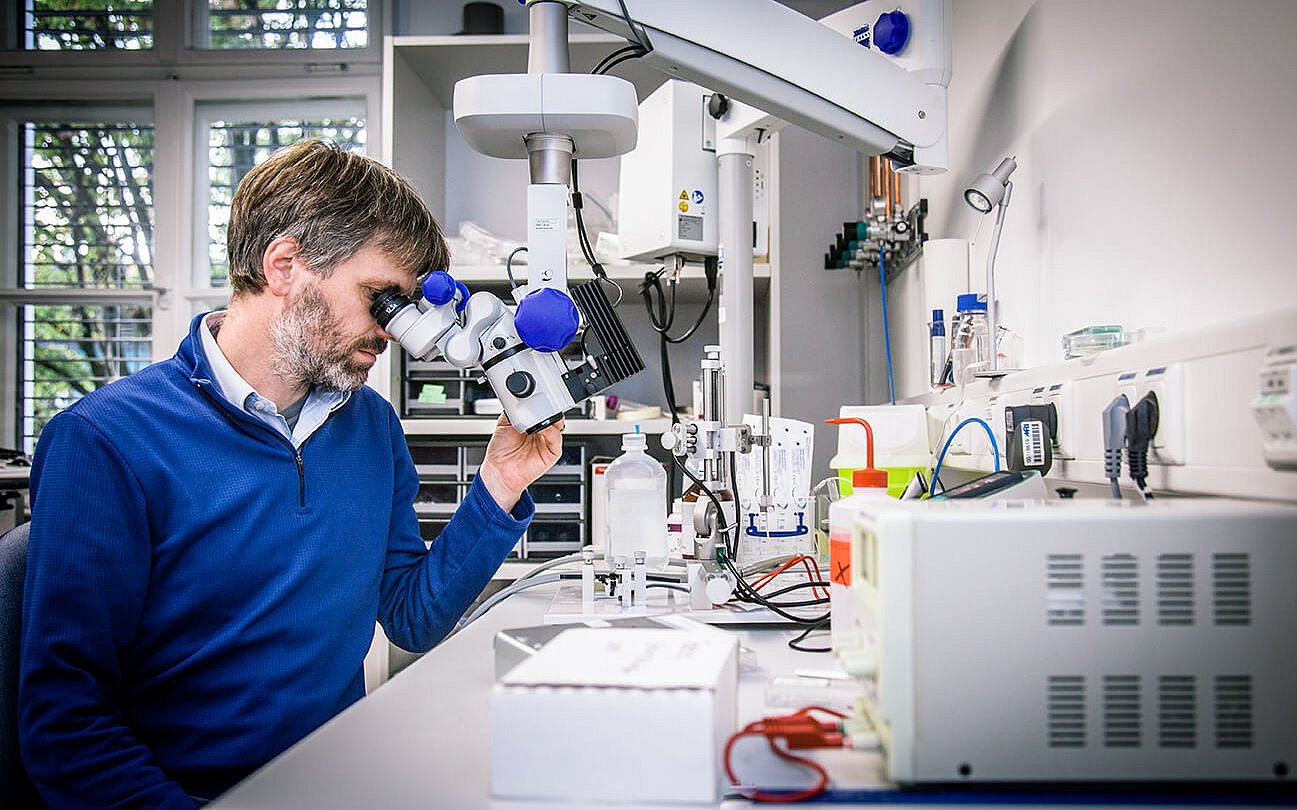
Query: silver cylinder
{"type": "Point", "coordinates": [549, 158]}
{"type": "Point", "coordinates": [735, 231]}
{"type": "Point", "coordinates": [547, 50]}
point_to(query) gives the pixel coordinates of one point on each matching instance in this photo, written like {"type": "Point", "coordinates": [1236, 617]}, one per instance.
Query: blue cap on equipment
{"type": "Point", "coordinates": [439, 288]}
{"type": "Point", "coordinates": [971, 302]}
{"type": "Point", "coordinates": [546, 319]}
{"type": "Point", "coordinates": [891, 32]}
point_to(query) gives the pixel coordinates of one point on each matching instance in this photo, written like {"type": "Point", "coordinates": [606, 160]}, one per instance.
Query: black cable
{"type": "Point", "coordinates": [612, 60]}
{"type": "Point", "coordinates": [748, 594]}
{"type": "Point", "coordinates": [1141, 426]}
{"type": "Point", "coordinates": [720, 513]}
{"type": "Point", "coordinates": [664, 318]}
{"type": "Point", "coordinates": [668, 587]}
{"type": "Point", "coordinates": [508, 265]}
{"type": "Point", "coordinates": [663, 322]}
{"type": "Point", "coordinates": [793, 642]}
{"type": "Point", "coordinates": [586, 250]}
{"type": "Point", "coordinates": [636, 54]}
{"type": "Point", "coordinates": [725, 555]}
{"type": "Point", "coordinates": [641, 36]}
{"type": "Point", "coordinates": [668, 386]}
{"type": "Point", "coordinates": [798, 586]}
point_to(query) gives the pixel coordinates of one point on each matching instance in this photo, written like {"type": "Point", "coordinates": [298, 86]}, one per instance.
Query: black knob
{"type": "Point", "coordinates": [1066, 493]}
{"type": "Point", "coordinates": [499, 342]}
{"type": "Point", "coordinates": [520, 384]}
{"type": "Point", "coordinates": [717, 105]}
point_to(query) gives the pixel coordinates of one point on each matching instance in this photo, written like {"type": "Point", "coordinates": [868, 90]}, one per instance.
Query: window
{"type": "Point", "coordinates": [239, 137]}
{"type": "Point", "coordinates": [78, 25]}
{"type": "Point", "coordinates": [86, 237]}
{"type": "Point", "coordinates": [70, 350]}
{"type": "Point", "coordinates": [124, 127]}
{"type": "Point", "coordinates": [297, 24]}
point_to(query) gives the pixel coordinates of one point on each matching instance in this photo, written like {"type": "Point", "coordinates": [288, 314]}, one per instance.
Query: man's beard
{"type": "Point", "coordinates": [306, 346]}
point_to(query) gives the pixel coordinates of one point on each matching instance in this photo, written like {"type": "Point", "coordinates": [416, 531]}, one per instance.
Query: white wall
{"type": "Point", "coordinates": [826, 326]}
{"type": "Point", "coordinates": [1156, 185]}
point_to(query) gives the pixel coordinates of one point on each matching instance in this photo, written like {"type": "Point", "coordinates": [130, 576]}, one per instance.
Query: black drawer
{"type": "Point", "coordinates": [441, 460]}
{"type": "Point", "coordinates": [554, 496]}
{"type": "Point", "coordinates": [553, 538]}
{"type": "Point", "coordinates": [436, 498]}
{"type": "Point", "coordinates": [429, 528]}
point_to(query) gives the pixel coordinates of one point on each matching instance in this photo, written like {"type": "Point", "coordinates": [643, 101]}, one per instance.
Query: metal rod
{"type": "Point", "coordinates": [547, 47]}
{"type": "Point", "coordinates": [549, 157]}
{"type": "Point", "coordinates": [992, 323]}
{"type": "Point", "coordinates": [735, 227]}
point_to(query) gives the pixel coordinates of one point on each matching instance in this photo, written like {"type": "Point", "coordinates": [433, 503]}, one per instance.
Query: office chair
{"type": "Point", "coordinates": [15, 788]}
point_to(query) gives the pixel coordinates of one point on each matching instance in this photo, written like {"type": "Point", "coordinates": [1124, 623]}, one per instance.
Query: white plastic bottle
{"type": "Point", "coordinates": [636, 509]}
{"type": "Point", "coordinates": [868, 484]}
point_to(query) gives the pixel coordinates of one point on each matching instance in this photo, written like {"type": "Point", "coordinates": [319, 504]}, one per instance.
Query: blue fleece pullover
{"type": "Point", "coordinates": [200, 595]}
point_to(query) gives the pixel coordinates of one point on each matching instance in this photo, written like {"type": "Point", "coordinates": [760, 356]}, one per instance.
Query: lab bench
{"type": "Point", "coordinates": [422, 740]}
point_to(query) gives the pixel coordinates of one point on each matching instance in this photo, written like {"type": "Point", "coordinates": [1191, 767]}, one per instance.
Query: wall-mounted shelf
{"type": "Point", "coordinates": [440, 61]}
{"type": "Point", "coordinates": [693, 283]}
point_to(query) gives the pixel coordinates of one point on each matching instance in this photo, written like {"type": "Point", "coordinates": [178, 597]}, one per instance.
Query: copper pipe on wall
{"type": "Point", "coordinates": [873, 180]}
{"type": "Point", "coordinates": [890, 179]}
{"type": "Point", "coordinates": [894, 205]}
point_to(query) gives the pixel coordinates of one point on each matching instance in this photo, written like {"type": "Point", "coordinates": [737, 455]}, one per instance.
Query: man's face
{"type": "Point", "coordinates": [326, 335]}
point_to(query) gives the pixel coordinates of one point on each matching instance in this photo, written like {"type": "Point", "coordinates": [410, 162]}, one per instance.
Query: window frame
{"type": "Point", "coordinates": [198, 30]}
{"type": "Point", "coordinates": [176, 91]}
{"type": "Point", "coordinates": [175, 37]}
{"type": "Point", "coordinates": [206, 112]}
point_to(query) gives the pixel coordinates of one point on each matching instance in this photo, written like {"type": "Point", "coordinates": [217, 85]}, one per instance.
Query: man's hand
{"type": "Point", "coordinates": [513, 460]}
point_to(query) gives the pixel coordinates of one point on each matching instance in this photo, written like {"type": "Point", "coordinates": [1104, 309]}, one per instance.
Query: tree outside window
{"type": "Point", "coordinates": [87, 225]}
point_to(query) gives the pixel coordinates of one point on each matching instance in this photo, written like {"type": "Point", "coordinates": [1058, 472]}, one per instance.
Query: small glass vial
{"type": "Point", "coordinates": [937, 349]}
{"type": "Point", "coordinates": [970, 345]}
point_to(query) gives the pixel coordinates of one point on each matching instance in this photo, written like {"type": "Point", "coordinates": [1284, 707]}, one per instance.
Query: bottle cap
{"type": "Point", "coordinates": [938, 326]}
{"type": "Point", "coordinates": [971, 302]}
{"type": "Point", "coordinates": [634, 441]}
{"type": "Point", "coordinates": [869, 479]}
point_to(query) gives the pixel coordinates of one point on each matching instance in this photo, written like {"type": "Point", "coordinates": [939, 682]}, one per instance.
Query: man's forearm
{"type": "Point", "coordinates": [504, 495]}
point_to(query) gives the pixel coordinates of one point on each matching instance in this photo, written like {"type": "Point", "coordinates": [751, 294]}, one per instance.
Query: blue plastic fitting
{"type": "Point", "coordinates": [546, 319]}
{"type": "Point", "coordinates": [891, 32]}
{"type": "Point", "coordinates": [439, 287]}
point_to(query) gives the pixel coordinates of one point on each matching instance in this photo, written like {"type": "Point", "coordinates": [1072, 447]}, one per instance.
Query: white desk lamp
{"type": "Point", "coordinates": [991, 191]}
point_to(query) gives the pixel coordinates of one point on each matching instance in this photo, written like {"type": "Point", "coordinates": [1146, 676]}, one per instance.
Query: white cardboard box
{"type": "Point", "coordinates": [617, 716]}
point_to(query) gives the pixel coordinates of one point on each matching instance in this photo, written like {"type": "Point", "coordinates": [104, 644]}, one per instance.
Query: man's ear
{"type": "Point", "coordinates": [280, 263]}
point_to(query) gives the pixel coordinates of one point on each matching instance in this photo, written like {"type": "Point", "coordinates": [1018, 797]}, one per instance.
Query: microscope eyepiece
{"type": "Point", "coordinates": [386, 304]}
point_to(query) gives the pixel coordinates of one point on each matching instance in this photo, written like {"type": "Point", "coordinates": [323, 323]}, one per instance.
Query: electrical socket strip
{"type": "Point", "coordinates": [1208, 440]}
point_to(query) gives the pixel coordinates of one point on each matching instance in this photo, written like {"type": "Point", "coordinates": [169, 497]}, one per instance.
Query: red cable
{"type": "Point", "coordinates": [806, 731]}
{"type": "Point", "coordinates": [768, 577]}
{"type": "Point", "coordinates": [806, 562]}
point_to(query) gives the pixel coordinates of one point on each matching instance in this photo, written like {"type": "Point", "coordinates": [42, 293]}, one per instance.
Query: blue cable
{"type": "Point", "coordinates": [995, 447]}
{"type": "Point", "coordinates": [887, 340]}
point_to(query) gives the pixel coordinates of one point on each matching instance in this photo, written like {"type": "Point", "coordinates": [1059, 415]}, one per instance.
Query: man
{"type": "Point", "coordinates": [213, 537]}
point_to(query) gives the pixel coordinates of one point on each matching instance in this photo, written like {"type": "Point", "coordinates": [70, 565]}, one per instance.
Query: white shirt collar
{"type": "Point", "coordinates": [320, 402]}
{"type": "Point", "coordinates": [231, 385]}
